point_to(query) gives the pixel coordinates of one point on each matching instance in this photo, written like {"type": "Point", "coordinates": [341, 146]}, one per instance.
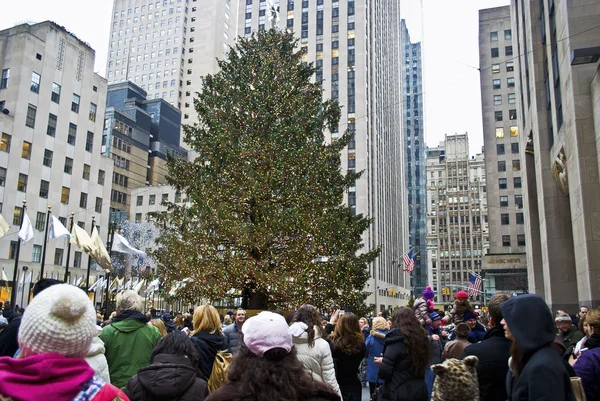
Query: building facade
{"type": "Point", "coordinates": [502, 150]}
{"type": "Point", "coordinates": [457, 221]}
{"type": "Point", "coordinates": [50, 155]}
{"type": "Point", "coordinates": [416, 166]}
{"type": "Point", "coordinates": [556, 45]}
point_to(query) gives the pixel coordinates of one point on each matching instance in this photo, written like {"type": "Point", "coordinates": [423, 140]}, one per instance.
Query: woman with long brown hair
{"type": "Point", "coordinates": [348, 350]}
{"type": "Point", "coordinates": [405, 358]}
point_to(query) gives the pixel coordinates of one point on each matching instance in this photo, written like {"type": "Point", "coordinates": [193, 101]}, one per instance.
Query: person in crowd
{"type": "Point", "coordinates": [460, 307]}
{"type": "Point", "coordinates": [129, 339]}
{"type": "Point", "coordinates": [493, 351]}
{"type": "Point", "coordinates": [3, 323]}
{"type": "Point", "coordinates": [160, 326]}
{"type": "Point", "coordinates": [455, 348]}
{"type": "Point", "coordinates": [437, 340]}
{"type": "Point", "coordinates": [313, 351]}
{"type": "Point", "coordinates": [172, 374]}
{"type": "Point", "coordinates": [167, 319]}
{"type": "Point", "coordinates": [423, 306]}
{"type": "Point", "coordinates": [266, 366]}
{"type": "Point", "coordinates": [207, 338]}
{"type": "Point", "coordinates": [7, 310]}
{"type": "Point", "coordinates": [227, 321]}
{"type": "Point", "coordinates": [586, 362]}
{"type": "Point", "coordinates": [96, 358]}
{"type": "Point", "coordinates": [348, 350]}
{"type": "Point", "coordinates": [233, 332]}
{"type": "Point", "coordinates": [374, 346]}
{"type": "Point", "coordinates": [405, 358]}
{"type": "Point", "coordinates": [188, 322]}
{"type": "Point", "coordinates": [477, 329]}
{"type": "Point", "coordinates": [54, 337]}
{"type": "Point", "coordinates": [364, 327]}
{"type": "Point", "coordinates": [363, 323]}
{"type": "Point", "coordinates": [178, 322]}
{"type": "Point", "coordinates": [567, 331]}
{"type": "Point", "coordinates": [586, 334]}
{"type": "Point", "coordinates": [536, 372]}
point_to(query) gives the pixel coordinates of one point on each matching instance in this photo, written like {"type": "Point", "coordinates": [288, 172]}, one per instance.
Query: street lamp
{"type": "Point", "coordinates": [587, 55]}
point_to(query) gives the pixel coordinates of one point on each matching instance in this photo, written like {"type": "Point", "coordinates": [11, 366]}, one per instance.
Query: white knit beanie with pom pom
{"type": "Point", "coordinates": [59, 319]}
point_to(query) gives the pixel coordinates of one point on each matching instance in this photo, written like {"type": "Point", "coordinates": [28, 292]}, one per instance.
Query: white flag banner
{"type": "Point", "coordinates": [26, 231]}
{"type": "Point", "coordinates": [28, 278]}
{"type": "Point", "coordinates": [139, 286]}
{"type": "Point", "coordinates": [80, 238]}
{"type": "Point", "coordinates": [97, 285]}
{"type": "Point", "coordinates": [21, 281]}
{"type": "Point", "coordinates": [79, 280]}
{"type": "Point", "coordinates": [120, 244]}
{"type": "Point", "coordinates": [56, 229]}
{"type": "Point", "coordinates": [153, 286]}
{"type": "Point", "coordinates": [4, 227]}
{"type": "Point", "coordinates": [4, 278]}
{"type": "Point", "coordinates": [99, 253]}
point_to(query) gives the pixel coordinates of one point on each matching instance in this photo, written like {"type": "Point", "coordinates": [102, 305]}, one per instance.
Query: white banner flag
{"type": "Point", "coordinates": [57, 229]}
{"type": "Point", "coordinates": [4, 227]}
{"type": "Point", "coordinates": [120, 244]}
{"type": "Point", "coordinates": [26, 231]}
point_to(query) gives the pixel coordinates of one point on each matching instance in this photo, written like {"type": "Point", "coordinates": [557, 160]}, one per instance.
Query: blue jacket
{"type": "Point", "coordinates": [477, 333]}
{"type": "Point", "coordinates": [588, 368]}
{"type": "Point", "coordinates": [374, 345]}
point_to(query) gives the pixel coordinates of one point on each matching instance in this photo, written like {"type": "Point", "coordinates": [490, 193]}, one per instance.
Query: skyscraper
{"type": "Point", "coordinates": [416, 179]}
{"type": "Point", "coordinates": [504, 267]}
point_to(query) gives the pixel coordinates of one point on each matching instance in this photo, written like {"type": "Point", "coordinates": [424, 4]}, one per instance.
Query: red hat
{"type": "Point", "coordinates": [462, 294]}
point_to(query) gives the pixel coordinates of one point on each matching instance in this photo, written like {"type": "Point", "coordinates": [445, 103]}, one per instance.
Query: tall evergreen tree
{"type": "Point", "coordinates": [265, 219]}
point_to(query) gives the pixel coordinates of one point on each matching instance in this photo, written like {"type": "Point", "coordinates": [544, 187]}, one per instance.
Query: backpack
{"type": "Point", "coordinates": [218, 376]}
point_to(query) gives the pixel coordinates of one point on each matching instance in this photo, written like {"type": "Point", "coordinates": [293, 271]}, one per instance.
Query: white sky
{"type": "Point", "coordinates": [450, 31]}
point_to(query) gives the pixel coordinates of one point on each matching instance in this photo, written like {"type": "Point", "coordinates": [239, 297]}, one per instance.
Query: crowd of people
{"type": "Point", "coordinates": [61, 348]}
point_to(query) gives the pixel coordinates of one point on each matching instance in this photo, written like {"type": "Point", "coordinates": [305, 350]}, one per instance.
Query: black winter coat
{"type": "Point", "coordinates": [9, 343]}
{"type": "Point", "coordinates": [493, 353]}
{"type": "Point", "coordinates": [401, 383]}
{"type": "Point", "coordinates": [346, 372]}
{"type": "Point", "coordinates": [170, 377]}
{"type": "Point", "coordinates": [207, 345]}
{"type": "Point", "coordinates": [233, 392]}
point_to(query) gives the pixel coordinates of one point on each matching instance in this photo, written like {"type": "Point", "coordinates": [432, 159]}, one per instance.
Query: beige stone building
{"type": "Point", "coordinates": [556, 53]}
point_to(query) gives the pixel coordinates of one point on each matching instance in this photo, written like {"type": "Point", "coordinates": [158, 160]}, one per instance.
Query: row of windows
{"type": "Point", "coordinates": [26, 148]}
{"type": "Point", "coordinates": [508, 51]}
{"type": "Point", "coordinates": [518, 201]}
{"type": "Point", "coordinates": [151, 6]}
{"type": "Point", "coordinates": [503, 183]}
{"type": "Point", "coordinates": [513, 130]}
{"type": "Point", "coordinates": [500, 148]}
{"type": "Point", "coordinates": [497, 83]}
{"type": "Point", "coordinates": [499, 115]}
{"type": "Point", "coordinates": [520, 240]}
{"type": "Point", "coordinates": [494, 35]}
{"type": "Point", "coordinates": [36, 256]}
{"type": "Point", "coordinates": [512, 99]}
{"type": "Point", "coordinates": [505, 218]}
{"type": "Point", "coordinates": [510, 66]}
{"type": "Point", "coordinates": [516, 165]}
{"type": "Point", "coordinates": [152, 199]}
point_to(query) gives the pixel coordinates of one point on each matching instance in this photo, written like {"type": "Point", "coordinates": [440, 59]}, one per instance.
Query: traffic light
{"type": "Point", "coordinates": [445, 291]}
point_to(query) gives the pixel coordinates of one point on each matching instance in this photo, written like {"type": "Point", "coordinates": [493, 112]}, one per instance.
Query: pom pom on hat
{"type": "Point", "coordinates": [428, 293]}
{"type": "Point", "coordinates": [60, 319]}
{"type": "Point", "coordinates": [462, 295]}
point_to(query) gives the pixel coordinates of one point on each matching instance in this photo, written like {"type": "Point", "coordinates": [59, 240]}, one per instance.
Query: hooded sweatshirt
{"type": "Point", "coordinates": [208, 344]}
{"type": "Point", "coordinates": [96, 358]}
{"type": "Point", "coordinates": [543, 375]}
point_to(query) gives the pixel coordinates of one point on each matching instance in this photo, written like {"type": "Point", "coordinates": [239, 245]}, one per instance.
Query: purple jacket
{"type": "Point", "coordinates": [588, 368]}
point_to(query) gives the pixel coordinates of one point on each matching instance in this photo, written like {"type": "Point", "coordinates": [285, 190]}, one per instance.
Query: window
{"type": "Point", "coordinates": [508, 51]}
{"type": "Point", "coordinates": [48, 158]}
{"type": "Point", "coordinates": [86, 172]}
{"type": "Point", "coordinates": [495, 68]}
{"type": "Point", "coordinates": [17, 215]}
{"type": "Point", "coordinates": [497, 100]}
{"type": "Point", "coordinates": [506, 240]}
{"type": "Point", "coordinates": [5, 77]}
{"type": "Point", "coordinates": [64, 195]}
{"type": "Point", "coordinates": [35, 82]}
{"type": "Point", "coordinates": [495, 52]}
{"type": "Point", "coordinates": [93, 109]}
{"type": "Point", "coordinates": [44, 189]}
{"type": "Point", "coordinates": [51, 130]}
{"type": "Point", "coordinates": [55, 96]}
{"type": "Point", "coordinates": [514, 131]}
{"type": "Point", "coordinates": [77, 259]}
{"type": "Point", "coordinates": [504, 219]}
{"type": "Point", "coordinates": [101, 175]}
{"type": "Point", "coordinates": [83, 200]}
{"type": "Point", "coordinates": [510, 82]}
{"type": "Point", "coordinates": [517, 182]}
{"type": "Point", "coordinates": [98, 207]}
{"type": "Point", "coordinates": [516, 165]}
{"type": "Point", "coordinates": [152, 199]}
{"type": "Point", "coordinates": [493, 36]}
{"type": "Point", "coordinates": [510, 66]}
{"type": "Point", "coordinates": [40, 221]}
{"type": "Point", "coordinates": [140, 200]}
{"type": "Point", "coordinates": [68, 165]}
{"type": "Point", "coordinates": [521, 239]}
{"type": "Point", "coordinates": [165, 198]}
{"type": "Point", "coordinates": [58, 256]}
{"type": "Point", "coordinates": [89, 141]}
{"type": "Point", "coordinates": [22, 183]}
{"type": "Point", "coordinates": [502, 183]}
{"type": "Point", "coordinates": [75, 103]}
{"type": "Point", "coordinates": [12, 250]}
{"type": "Point", "coordinates": [519, 201]}
{"type": "Point", "coordinates": [496, 84]}
{"type": "Point", "coordinates": [72, 134]}
{"type": "Point", "coordinates": [512, 98]}
{"type": "Point", "coordinates": [36, 256]}
{"type": "Point", "coordinates": [514, 147]}
{"type": "Point", "coordinates": [5, 143]}
{"type": "Point", "coordinates": [30, 119]}
{"type": "Point", "coordinates": [507, 34]}
{"type": "Point", "coordinates": [520, 218]}
{"type": "Point", "coordinates": [500, 149]}
{"type": "Point", "coordinates": [26, 150]}
{"type": "Point", "coordinates": [2, 176]}
{"type": "Point", "coordinates": [498, 117]}
{"type": "Point", "coordinates": [501, 166]}
{"type": "Point", "coordinates": [512, 114]}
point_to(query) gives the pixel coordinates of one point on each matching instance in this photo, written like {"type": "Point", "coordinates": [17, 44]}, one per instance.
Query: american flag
{"type": "Point", "coordinates": [474, 285]}
{"type": "Point", "coordinates": [409, 261]}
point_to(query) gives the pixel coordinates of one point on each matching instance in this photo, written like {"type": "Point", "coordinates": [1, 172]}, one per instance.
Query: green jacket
{"type": "Point", "coordinates": [129, 344]}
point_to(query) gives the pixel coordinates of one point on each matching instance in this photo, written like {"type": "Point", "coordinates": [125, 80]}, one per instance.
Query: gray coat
{"type": "Point", "coordinates": [233, 336]}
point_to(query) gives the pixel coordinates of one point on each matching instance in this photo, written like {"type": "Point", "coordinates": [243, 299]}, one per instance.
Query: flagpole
{"type": "Point", "coordinates": [89, 269]}
{"type": "Point", "coordinates": [25, 268]}
{"type": "Point", "coordinates": [45, 242]}
{"type": "Point", "coordinates": [111, 238]}
{"type": "Point", "coordinates": [68, 251]}
{"type": "Point", "coordinates": [13, 294]}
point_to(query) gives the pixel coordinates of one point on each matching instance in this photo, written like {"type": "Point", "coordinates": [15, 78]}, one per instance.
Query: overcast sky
{"type": "Point", "coordinates": [450, 42]}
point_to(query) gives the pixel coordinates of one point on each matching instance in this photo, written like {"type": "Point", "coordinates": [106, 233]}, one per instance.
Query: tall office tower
{"type": "Point", "coordinates": [356, 46]}
{"type": "Point", "coordinates": [505, 266]}
{"type": "Point", "coordinates": [457, 228]}
{"type": "Point", "coordinates": [138, 135]}
{"type": "Point", "coordinates": [52, 106]}
{"type": "Point", "coordinates": [416, 178]}
{"type": "Point", "coordinates": [556, 55]}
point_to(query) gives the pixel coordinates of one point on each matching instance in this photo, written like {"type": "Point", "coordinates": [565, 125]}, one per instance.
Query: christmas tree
{"type": "Point", "coordinates": [265, 219]}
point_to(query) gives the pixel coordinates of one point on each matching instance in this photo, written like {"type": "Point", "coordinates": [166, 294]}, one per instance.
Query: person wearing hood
{"type": "Point", "coordinates": [168, 321]}
{"type": "Point", "coordinates": [95, 357]}
{"type": "Point", "coordinates": [129, 339]}
{"type": "Point", "coordinates": [207, 338]}
{"type": "Point", "coordinates": [587, 362]}
{"type": "Point", "coordinates": [54, 337]}
{"type": "Point", "coordinates": [536, 371]}
{"type": "Point", "coordinates": [374, 346]}
{"type": "Point", "coordinates": [313, 351]}
{"type": "Point", "coordinates": [172, 374]}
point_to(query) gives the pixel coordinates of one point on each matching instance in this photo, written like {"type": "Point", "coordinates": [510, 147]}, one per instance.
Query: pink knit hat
{"type": "Point", "coordinates": [266, 331]}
